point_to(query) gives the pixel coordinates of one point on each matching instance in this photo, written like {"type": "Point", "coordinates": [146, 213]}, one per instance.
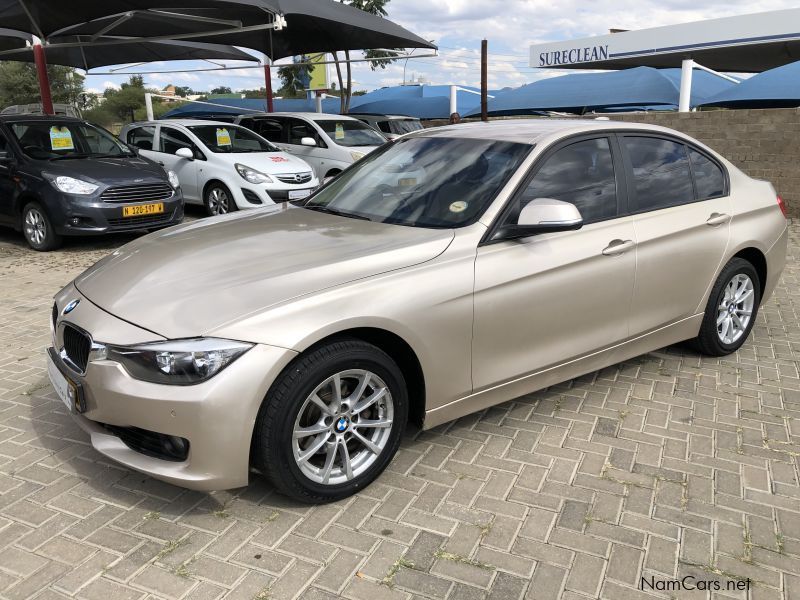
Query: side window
{"type": "Point", "coordinates": [384, 126]}
{"type": "Point", "coordinates": [299, 129]}
{"type": "Point", "coordinates": [142, 137]}
{"type": "Point", "coordinates": [271, 129]}
{"type": "Point", "coordinates": [581, 173]}
{"type": "Point", "coordinates": [661, 173]}
{"type": "Point", "coordinates": [709, 179]}
{"type": "Point", "coordinates": [172, 139]}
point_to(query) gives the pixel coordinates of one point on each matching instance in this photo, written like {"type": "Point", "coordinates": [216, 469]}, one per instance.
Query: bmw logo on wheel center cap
{"type": "Point", "coordinates": [342, 424]}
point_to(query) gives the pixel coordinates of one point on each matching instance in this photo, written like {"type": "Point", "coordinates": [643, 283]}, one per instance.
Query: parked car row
{"type": "Point", "coordinates": [61, 176]}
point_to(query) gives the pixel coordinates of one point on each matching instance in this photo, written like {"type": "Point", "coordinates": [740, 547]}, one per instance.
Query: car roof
{"type": "Point", "coordinates": [24, 117]}
{"type": "Point", "coordinates": [307, 115]}
{"type": "Point", "coordinates": [529, 131]}
{"type": "Point", "coordinates": [183, 122]}
{"type": "Point", "coordinates": [390, 117]}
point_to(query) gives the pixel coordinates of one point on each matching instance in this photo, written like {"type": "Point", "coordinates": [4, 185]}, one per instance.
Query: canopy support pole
{"type": "Point", "coordinates": [453, 99]}
{"type": "Point", "coordinates": [686, 85]}
{"type": "Point", "coordinates": [484, 80]}
{"type": "Point", "coordinates": [44, 80]}
{"type": "Point", "coordinates": [268, 86]}
{"type": "Point", "coordinates": [148, 103]}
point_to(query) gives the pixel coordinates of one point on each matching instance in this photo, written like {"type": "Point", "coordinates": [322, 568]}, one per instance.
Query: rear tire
{"type": "Point", "coordinates": [38, 228]}
{"type": "Point", "coordinates": [218, 200]}
{"type": "Point", "coordinates": [731, 310]}
{"type": "Point", "coordinates": [315, 445]}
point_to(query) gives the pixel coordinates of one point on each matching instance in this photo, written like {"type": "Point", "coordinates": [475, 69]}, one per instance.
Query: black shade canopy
{"type": "Point", "coordinates": [278, 28]}
{"type": "Point", "coordinates": [137, 51]}
{"type": "Point", "coordinates": [12, 40]}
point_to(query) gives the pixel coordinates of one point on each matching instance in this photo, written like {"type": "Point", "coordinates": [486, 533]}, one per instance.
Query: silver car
{"type": "Point", "coordinates": [452, 270]}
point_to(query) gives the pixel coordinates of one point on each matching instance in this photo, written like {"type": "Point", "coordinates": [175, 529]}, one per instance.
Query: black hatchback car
{"type": "Point", "coordinates": [63, 176]}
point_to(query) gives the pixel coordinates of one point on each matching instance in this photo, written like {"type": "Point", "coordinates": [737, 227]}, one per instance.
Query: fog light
{"type": "Point", "coordinates": [75, 221]}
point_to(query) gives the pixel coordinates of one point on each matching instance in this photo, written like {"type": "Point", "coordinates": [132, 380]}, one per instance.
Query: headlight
{"type": "Point", "coordinates": [173, 179]}
{"type": "Point", "coordinates": [356, 155]}
{"type": "Point", "coordinates": [252, 175]}
{"type": "Point", "coordinates": [178, 362]}
{"type": "Point", "coordinates": [70, 185]}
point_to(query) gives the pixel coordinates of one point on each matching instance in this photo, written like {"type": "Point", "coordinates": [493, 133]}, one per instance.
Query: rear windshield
{"type": "Point", "coordinates": [351, 133]}
{"type": "Point", "coordinates": [56, 139]}
{"type": "Point", "coordinates": [231, 139]}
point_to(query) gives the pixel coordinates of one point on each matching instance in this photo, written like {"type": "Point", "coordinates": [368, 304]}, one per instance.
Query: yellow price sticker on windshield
{"type": "Point", "coordinates": [223, 137]}
{"type": "Point", "coordinates": [61, 138]}
{"type": "Point", "coordinates": [339, 131]}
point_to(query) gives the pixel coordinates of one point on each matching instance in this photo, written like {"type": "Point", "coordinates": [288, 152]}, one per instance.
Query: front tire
{"type": "Point", "coordinates": [731, 310]}
{"type": "Point", "coordinates": [331, 422]}
{"type": "Point", "coordinates": [218, 200]}
{"type": "Point", "coordinates": [38, 228]}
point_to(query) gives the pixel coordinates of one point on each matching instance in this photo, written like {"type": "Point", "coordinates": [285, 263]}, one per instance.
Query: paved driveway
{"type": "Point", "coordinates": [664, 466]}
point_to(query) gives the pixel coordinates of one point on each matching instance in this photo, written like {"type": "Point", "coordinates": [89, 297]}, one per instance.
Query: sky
{"type": "Point", "coordinates": [457, 27]}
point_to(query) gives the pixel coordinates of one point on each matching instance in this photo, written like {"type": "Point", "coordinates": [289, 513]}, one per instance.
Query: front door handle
{"type": "Point", "coordinates": [717, 219]}
{"type": "Point", "coordinates": [617, 247]}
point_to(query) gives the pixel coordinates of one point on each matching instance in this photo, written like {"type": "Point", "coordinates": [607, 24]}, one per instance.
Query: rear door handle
{"type": "Point", "coordinates": [717, 219]}
{"type": "Point", "coordinates": [617, 247]}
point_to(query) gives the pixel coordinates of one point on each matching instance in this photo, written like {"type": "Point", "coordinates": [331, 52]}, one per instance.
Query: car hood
{"type": "Point", "coordinates": [188, 280]}
{"type": "Point", "coordinates": [267, 162]}
{"type": "Point", "coordinates": [107, 171]}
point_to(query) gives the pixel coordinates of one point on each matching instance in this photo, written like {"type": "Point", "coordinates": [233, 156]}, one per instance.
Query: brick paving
{"type": "Point", "coordinates": [663, 466]}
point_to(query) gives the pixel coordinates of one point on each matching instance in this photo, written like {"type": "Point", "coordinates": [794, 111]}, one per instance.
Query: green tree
{"type": "Point", "coordinates": [183, 91]}
{"type": "Point", "coordinates": [223, 89]}
{"type": "Point", "coordinates": [19, 84]}
{"type": "Point", "coordinates": [293, 78]}
{"type": "Point", "coordinates": [374, 7]}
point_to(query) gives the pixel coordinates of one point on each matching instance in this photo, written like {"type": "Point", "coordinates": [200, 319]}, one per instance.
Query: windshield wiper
{"type": "Point", "coordinates": [69, 156]}
{"type": "Point", "coordinates": [338, 213]}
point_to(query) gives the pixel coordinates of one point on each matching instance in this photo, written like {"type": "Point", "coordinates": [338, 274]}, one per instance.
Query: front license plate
{"type": "Point", "coordinates": [297, 194]}
{"type": "Point", "coordinates": [143, 209]}
{"type": "Point", "coordinates": [65, 389]}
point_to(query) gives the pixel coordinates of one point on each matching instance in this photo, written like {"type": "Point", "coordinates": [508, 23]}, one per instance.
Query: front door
{"type": "Point", "coordinates": [682, 223]}
{"type": "Point", "coordinates": [544, 300]}
{"type": "Point", "coordinates": [170, 140]}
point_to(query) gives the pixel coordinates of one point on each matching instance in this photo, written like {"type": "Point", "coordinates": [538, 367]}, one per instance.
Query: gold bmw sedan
{"type": "Point", "coordinates": [452, 270]}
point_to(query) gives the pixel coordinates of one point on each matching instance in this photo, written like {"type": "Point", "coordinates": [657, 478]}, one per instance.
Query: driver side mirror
{"type": "Point", "coordinates": [308, 141]}
{"type": "Point", "coordinates": [543, 215]}
{"type": "Point", "coordinates": [185, 153]}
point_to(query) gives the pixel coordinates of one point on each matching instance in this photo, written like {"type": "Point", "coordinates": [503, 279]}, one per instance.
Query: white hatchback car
{"type": "Point", "coordinates": [329, 143]}
{"type": "Point", "coordinates": [222, 166]}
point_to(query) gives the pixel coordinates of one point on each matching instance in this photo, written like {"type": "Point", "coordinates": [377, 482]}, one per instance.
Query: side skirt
{"type": "Point", "coordinates": [671, 334]}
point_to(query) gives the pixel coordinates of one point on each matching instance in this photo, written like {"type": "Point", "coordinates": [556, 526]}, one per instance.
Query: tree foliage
{"type": "Point", "coordinates": [19, 84]}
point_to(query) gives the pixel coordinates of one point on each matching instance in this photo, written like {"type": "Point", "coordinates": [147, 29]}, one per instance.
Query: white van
{"type": "Point", "coordinates": [329, 143]}
{"type": "Point", "coordinates": [222, 166]}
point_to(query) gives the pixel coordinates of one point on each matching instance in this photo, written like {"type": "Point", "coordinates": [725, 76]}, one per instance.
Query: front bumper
{"type": "Point", "coordinates": [250, 196]}
{"type": "Point", "coordinates": [216, 416]}
{"type": "Point", "coordinates": [75, 215]}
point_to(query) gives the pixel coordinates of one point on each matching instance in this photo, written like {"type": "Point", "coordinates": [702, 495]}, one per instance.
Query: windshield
{"type": "Point", "coordinates": [231, 139]}
{"type": "Point", "coordinates": [55, 139]}
{"type": "Point", "coordinates": [401, 126]}
{"type": "Point", "coordinates": [351, 133]}
{"type": "Point", "coordinates": [423, 182]}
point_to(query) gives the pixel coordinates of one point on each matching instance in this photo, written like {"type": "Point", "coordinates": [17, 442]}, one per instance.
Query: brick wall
{"type": "Point", "coordinates": [763, 143]}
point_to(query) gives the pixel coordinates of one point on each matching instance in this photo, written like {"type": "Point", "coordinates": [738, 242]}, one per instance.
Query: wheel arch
{"type": "Point", "coordinates": [759, 261]}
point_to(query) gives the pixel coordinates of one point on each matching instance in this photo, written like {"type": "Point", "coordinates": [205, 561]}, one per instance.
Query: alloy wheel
{"type": "Point", "coordinates": [736, 309]}
{"type": "Point", "coordinates": [218, 201]}
{"type": "Point", "coordinates": [35, 226]}
{"type": "Point", "coordinates": [343, 426]}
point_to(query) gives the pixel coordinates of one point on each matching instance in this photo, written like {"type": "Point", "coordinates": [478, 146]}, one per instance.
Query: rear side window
{"type": "Point", "coordinates": [708, 176]}
{"type": "Point", "coordinates": [142, 137]}
{"type": "Point", "coordinates": [384, 126]}
{"type": "Point", "coordinates": [582, 174]}
{"type": "Point", "coordinates": [661, 173]}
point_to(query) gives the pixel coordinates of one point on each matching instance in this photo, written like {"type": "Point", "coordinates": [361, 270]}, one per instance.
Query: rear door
{"type": "Point", "coordinates": [7, 183]}
{"type": "Point", "coordinates": [682, 210]}
{"type": "Point", "coordinates": [170, 139]}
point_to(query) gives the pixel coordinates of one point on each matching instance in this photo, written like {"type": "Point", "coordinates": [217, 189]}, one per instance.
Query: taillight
{"type": "Point", "coordinates": [782, 206]}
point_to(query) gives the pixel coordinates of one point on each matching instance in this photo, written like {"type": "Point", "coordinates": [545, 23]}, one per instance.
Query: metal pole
{"type": "Point", "coordinates": [148, 104]}
{"type": "Point", "coordinates": [44, 80]}
{"type": "Point", "coordinates": [268, 86]}
{"type": "Point", "coordinates": [453, 99]}
{"type": "Point", "coordinates": [318, 101]}
{"type": "Point", "coordinates": [686, 85]}
{"type": "Point", "coordinates": [484, 80]}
